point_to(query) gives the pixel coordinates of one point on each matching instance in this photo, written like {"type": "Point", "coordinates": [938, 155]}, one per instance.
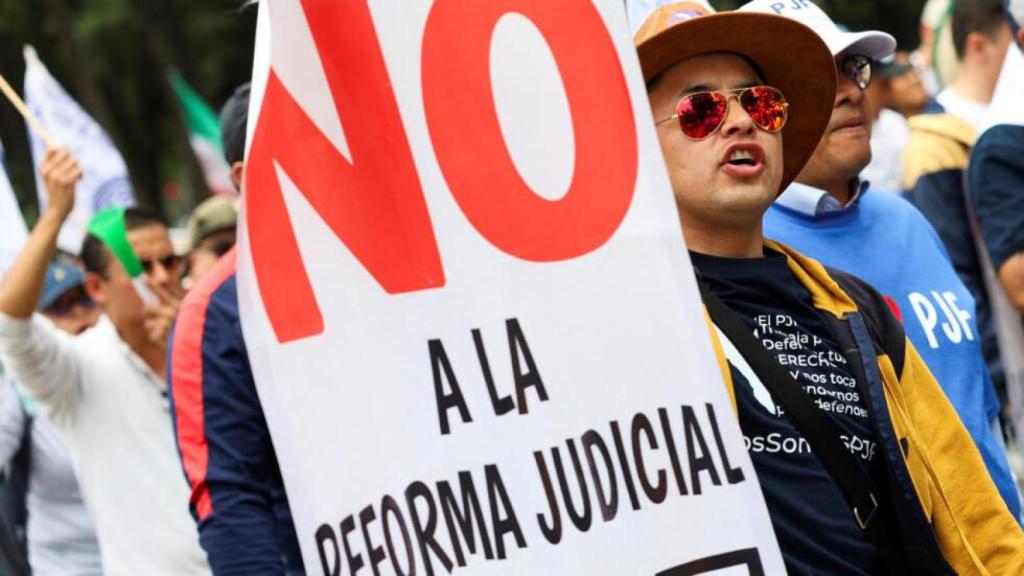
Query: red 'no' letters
{"type": "Point", "coordinates": [375, 204]}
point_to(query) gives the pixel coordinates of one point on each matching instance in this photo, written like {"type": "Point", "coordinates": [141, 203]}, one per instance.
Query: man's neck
{"type": "Point", "coordinates": [725, 243]}
{"type": "Point", "coordinates": [973, 86]}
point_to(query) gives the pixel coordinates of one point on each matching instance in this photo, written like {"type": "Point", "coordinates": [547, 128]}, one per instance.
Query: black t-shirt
{"type": "Point", "coordinates": [813, 523]}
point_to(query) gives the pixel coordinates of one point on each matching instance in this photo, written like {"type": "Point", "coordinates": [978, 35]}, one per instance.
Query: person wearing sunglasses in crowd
{"type": "Point", "coordinates": [104, 389]}
{"type": "Point", "coordinates": [40, 485]}
{"type": "Point", "coordinates": [863, 463]}
{"type": "Point", "coordinates": [211, 230]}
{"type": "Point", "coordinates": [832, 215]}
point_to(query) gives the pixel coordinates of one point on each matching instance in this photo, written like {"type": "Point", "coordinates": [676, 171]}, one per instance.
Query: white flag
{"type": "Point", "coordinates": [12, 226]}
{"type": "Point", "coordinates": [105, 177]}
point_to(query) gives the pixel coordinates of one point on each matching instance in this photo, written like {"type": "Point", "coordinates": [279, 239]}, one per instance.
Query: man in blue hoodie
{"type": "Point", "coordinates": [237, 497]}
{"type": "Point", "coordinates": [996, 178]}
{"type": "Point", "coordinates": [831, 215]}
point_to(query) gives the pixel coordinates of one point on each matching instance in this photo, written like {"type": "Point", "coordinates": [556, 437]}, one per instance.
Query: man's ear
{"type": "Point", "coordinates": [94, 288]}
{"type": "Point", "coordinates": [975, 43]}
{"type": "Point", "coordinates": [1020, 38]}
{"type": "Point", "coordinates": [237, 169]}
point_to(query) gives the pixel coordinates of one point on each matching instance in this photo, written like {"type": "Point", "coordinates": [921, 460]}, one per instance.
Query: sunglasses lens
{"type": "Point", "coordinates": [701, 114]}
{"type": "Point", "coordinates": [766, 106]}
{"type": "Point", "coordinates": [169, 263]}
{"type": "Point", "coordinates": [222, 248]}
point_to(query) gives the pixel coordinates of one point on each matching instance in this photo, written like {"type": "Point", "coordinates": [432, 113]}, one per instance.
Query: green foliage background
{"type": "Point", "coordinates": [113, 55]}
{"type": "Point", "coordinates": [897, 17]}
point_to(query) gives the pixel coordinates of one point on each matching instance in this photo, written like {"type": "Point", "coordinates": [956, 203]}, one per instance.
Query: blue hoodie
{"type": "Point", "coordinates": [884, 240]}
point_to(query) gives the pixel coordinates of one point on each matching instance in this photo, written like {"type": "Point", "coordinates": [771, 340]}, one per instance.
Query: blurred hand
{"type": "Point", "coordinates": [158, 318]}
{"type": "Point", "coordinates": [60, 172]}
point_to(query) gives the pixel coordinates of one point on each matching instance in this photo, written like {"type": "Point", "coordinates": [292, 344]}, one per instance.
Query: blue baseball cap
{"type": "Point", "coordinates": [60, 277]}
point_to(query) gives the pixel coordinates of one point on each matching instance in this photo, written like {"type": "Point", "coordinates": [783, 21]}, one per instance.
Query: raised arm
{"type": "Point", "coordinates": [36, 356]}
{"type": "Point", "coordinates": [23, 284]}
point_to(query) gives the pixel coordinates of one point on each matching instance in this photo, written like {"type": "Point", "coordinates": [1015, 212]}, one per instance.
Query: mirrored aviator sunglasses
{"type": "Point", "coordinates": [701, 114]}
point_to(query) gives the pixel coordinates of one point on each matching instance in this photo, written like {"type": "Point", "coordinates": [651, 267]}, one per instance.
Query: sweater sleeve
{"type": "Point", "coordinates": [971, 520]}
{"type": "Point", "coordinates": [44, 363]}
{"type": "Point", "coordinates": [222, 436]}
{"type": "Point", "coordinates": [996, 180]}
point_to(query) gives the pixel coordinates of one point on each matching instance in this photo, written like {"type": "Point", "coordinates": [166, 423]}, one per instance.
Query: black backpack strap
{"type": "Point", "coordinates": [821, 432]}
{"type": "Point", "coordinates": [886, 330]}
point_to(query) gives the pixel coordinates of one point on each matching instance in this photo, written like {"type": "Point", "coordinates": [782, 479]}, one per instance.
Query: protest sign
{"type": "Point", "coordinates": [473, 326]}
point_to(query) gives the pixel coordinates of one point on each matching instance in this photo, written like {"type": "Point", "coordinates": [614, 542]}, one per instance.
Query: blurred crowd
{"type": "Point", "coordinates": [55, 442]}
{"type": "Point", "coordinates": [133, 441]}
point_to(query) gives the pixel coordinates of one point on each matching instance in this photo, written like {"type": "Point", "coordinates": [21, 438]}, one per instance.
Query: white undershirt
{"type": "Point", "coordinates": [970, 110]}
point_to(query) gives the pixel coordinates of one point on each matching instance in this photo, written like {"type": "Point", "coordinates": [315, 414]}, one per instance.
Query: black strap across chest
{"type": "Point", "coordinates": [817, 428]}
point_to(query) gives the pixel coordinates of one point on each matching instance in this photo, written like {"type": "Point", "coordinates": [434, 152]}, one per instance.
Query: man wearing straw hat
{"type": "Point", "coordinates": [864, 464]}
{"type": "Point", "coordinates": [103, 389]}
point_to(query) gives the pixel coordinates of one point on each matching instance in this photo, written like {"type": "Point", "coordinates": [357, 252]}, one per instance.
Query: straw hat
{"type": "Point", "coordinates": [790, 55]}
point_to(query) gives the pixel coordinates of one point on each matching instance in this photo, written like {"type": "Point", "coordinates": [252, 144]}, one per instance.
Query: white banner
{"type": "Point", "coordinates": [472, 322]}
{"type": "Point", "coordinates": [13, 232]}
{"type": "Point", "coordinates": [104, 175]}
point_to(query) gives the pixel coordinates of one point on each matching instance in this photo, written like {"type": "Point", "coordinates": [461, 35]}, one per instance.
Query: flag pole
{"type": "Point", "coordinates": [29, 116]}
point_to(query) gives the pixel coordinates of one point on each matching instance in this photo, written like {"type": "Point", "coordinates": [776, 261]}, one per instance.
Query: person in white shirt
{"type": "Point", "coordinates": [60, 534]}
{"type": "Point", "coordinates": [981, 37]}
{"type": "Point", "coordinates": [104, 390]}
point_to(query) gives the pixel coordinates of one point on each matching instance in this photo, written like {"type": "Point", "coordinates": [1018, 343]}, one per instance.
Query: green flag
{"type": "Point", "coordinates": [204, 136]}
{"type": "Point", "coordinates": [108, 226]}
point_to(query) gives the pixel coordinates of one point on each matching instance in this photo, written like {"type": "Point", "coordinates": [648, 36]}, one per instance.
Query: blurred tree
{"type": "Point", "coordinates": [112, 56]}
{"type": "Point", "coordinates": [897, 17]}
